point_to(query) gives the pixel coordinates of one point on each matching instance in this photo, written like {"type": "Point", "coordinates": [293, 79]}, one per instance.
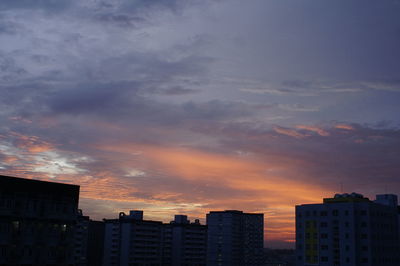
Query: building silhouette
{"type": "Point", "coordinates": [95, 242]}
{"type": "Point", "coordinates": [89, 241]}
{"type": "Point", "coordinates": [185, 243]}
{"type": "Point", "coordinates": [37, 222]}
{"type": "Point", "coordinates": [40, 224]}
{"type": "Point", "coordinates": [235, 238]}
{"type": "Point", "coordinates": [348, 229]}
{"type": "Point", "coordinates": [131, 240]}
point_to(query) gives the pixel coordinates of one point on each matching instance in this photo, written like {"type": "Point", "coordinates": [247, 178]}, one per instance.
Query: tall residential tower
{"type": "Point", "coordinates": [348, 230]}
{"type": "Point", "coordinates": [235, 238]}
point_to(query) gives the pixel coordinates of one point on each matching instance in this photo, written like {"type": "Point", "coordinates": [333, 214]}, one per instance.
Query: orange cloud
{"type": "Point", "coordinates": [317, 130]}
{"type": "Point", "coordinates": [32, 144]}
{"type": "Point", "coordinates": [289, 132]}
{"type": "Point", "coordinates": [258, 189]}
{"type": "Point", "coordinates": [344, 126]}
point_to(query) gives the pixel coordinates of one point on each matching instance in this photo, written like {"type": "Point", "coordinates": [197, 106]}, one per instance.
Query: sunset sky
{"type": "Point", "coordinates": [187, 106]}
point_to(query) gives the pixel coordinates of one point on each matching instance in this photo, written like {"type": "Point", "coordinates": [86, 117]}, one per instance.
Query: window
{"type": "Point", "coordinates": [324, 235]}
{"type": "Point", "coordinates": [363, 224]}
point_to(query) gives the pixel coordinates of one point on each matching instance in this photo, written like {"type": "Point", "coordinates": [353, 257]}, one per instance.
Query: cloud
{"type": "Point", "coordinates": [34, 4]}
{"type": "Point", "coordinates": [318, 130]}
{"type": "Point", "coordinates": [344, 126]}
{"type": "Point", "coordinates": [316, 88]}
{"type": "Point", "coordinates": [289, 132]}
{"type": "Point", "coordinates": [183, 107]}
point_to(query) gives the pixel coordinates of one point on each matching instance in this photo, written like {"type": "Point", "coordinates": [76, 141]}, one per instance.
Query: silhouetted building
{"type": "Point", "coordinates": [235, 238]}
{"type": "Point", "coordinates": [130, 240]}
{"type": "Point", "coordinates": [348, 229]}
{"type": "Point", "coordinates": [95, 249]}
{"type": "Point", "coordinates": [37, 222]}
{"type": "Point", "coordinates": [89, 241]}
{"type": "Point", "coordinates": [185, 243]}
{"type": "Point", "coordinates": [81, 239]}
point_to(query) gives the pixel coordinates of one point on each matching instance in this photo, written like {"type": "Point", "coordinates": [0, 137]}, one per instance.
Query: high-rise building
{"type": "Point", "coordinates": [95, 247]}
{"type": "Point", "coordinates": [37, 222]}
{"type": "Point", "coordinates": [89, 241]}
{"type": "Point", "coordinates": [130, 240]}
{"type": "Point", "coordinates": [81, 239]}
{"type": "Point", "coordinates": [348, 230]}
{"type": "Point", "coordinates": [235, 238]}
{"type": "Point", "coordinates": [185, 243]}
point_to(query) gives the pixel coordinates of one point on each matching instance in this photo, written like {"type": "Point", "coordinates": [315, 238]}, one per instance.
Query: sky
{"type": "Point", "coordinates": [187, 106]}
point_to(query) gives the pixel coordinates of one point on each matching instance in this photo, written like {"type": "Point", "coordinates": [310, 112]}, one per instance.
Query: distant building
{"type": "Point", "coordinates": [37, 222]}
{"type": "Point", "coordinates": [185, 243]}
{"type": "Point", "coordinates": [130, 240]}
{"type": "Point", "coordinates": [348, 229]}
{"type": "Point", "coordinates": [81, 239]}
{"type": "Point", "coordinates": [95, 248]}
{"type": "Point", "coordinates": [235, 238]}
{"type": "Point", "coordinates": [89, 241]}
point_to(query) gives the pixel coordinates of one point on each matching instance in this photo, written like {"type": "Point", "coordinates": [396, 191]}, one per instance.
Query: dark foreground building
{"type": "Point", "coordinates": [235, 238]}
{"type": "Point", "coordinates": [37, 222]}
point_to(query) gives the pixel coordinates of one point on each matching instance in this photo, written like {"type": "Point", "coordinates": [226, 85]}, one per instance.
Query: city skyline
{"type": "Point", "coordinates": [186, 106]}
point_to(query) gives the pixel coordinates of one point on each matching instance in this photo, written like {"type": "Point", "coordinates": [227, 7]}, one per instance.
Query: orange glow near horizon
{"type": "Point", "coordinates": [258, 190]}
{"type": "Point", "coordinates": [188, 181]}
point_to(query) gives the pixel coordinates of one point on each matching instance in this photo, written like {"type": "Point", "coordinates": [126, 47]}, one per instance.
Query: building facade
{"type": "Point", "coordinates": [130, 240]}
{"type": "Point", "coordinates": [185, 243]}
{"type": "Point", "coordinates": [37, 222]}
{"type": "Point", "coordinates": [348, 230]}
{"type": "Point", "coordinates": [235, 238]}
